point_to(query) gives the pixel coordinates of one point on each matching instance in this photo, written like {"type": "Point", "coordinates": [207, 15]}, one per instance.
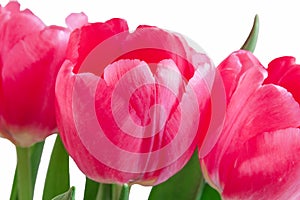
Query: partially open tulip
{"type": "Point", "coordinates": [31, 54]}
{"type": "Point", "coordinates": [257, 154]}
{"type": "Point", "coordinates": [130, 103]}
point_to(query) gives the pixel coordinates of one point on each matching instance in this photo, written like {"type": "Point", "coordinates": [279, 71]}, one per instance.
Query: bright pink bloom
{"type": "Point", "coordinates": [129, 104]}
{"type": "Point", "coordinates": [31, 54]}
{"type": "Point", "coordinates": [285, 72]}
{"type": "Point", "coordinates": [257, 154]}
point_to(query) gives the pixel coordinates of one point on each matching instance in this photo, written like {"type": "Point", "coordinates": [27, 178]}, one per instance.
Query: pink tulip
{"type": "Point", "coordinates": [129, 104]}
{"type": "Point", "coordinates": [31, 54]}
{"type": "Point", "coordinates": [286, 73]}
{"type": "Point", "coordinates": [257, 154]}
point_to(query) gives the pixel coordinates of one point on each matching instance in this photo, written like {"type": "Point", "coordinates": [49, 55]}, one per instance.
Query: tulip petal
{"type": "Point", "coordinates": [284, 72]}
{"type": "Point", "coordinates": [152, 45]}
{"type": "Point", "coordinates": [76, 20]}
{"type": "Point", "coordinates": [13, 7]}
{"type": "Point", "coordinates": [253, 109]}
{"type": "Point", "coordinates": [37, 56]}
{"type": "Point", "coordinates": [267, 167]}
{"type": "Point", "coordinates": [139, 158]}
{"type": "Point", "coordinates": [80, 44]}
{"type": "Point", "coordinates": [233, 67]}
{"type": "Point", "coordinates": [16, 28]}
{"type": "Point", "coordinates": [278, 67]}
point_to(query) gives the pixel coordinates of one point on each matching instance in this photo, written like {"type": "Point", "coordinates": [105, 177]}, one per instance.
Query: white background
{"type": "Point", "coordinates": [219, 27]}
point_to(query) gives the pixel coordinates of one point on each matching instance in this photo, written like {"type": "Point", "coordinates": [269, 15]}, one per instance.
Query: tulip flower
{"type": "Point", "coordinates": [285, 72]}
{"type": "Point", "coordinates": [129, 103]}
{"type": "Point", "coordinates": [31, 54]}
{"type": "Point", "coordinates": [257, 154]}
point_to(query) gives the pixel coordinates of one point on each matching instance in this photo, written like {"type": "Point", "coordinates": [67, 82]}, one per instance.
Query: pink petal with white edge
{"type": "Point", "coordinates": [267, 167]}
{"type": "Point", "coordinates": [253, 109]}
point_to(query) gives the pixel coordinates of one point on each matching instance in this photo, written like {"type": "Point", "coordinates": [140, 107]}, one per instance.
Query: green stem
{"type": "Point", "coordinates": [116, 191]}
{"type": "Point", "coordinates": [125, 192]}
{"type": "Point", "coordinates": [25, 190]}
{"type": "Point", "coordinates": [104, 192]}
{"type": "Point", "coordinates": [113, 192]}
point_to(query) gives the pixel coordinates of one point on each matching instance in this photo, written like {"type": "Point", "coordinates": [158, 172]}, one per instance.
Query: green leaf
{"type": "Point", "coordinates": [185, 185]}
{"type": "Point", "coordinates": [91, 189]}
{"type": "Point", "coordinates": [69, 195]}
{"type": "Point", "coordinates": [36, 154]}
{"type": "Point", "coordinates": [210, 193]}
{"type": "Point", "coordinates": [57, 178]}
{"type": "Point", "coordinates": [251, 41]}
{"type": "Point", "coordinates": [35, 157]}
{"type": "Point", "coordinates": [14, 189]}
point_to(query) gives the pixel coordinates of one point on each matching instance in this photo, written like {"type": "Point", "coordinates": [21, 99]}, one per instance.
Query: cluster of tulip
{"type": "Point", "coordinates": [134, 107]}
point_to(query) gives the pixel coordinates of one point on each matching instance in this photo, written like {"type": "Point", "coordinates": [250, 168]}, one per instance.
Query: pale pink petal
{"type": "Point", "coordinates": [76, 20]}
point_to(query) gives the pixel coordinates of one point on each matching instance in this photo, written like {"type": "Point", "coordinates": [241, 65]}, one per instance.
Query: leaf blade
{"type": "Point", "coordinates": [209, 193]}
{"type": "Point", "coordinates": [91, 189]}
{"type": "Point", "coordinates": [69, 195]}
{"type": "Point", "coordinates": [185, 185]}
{"type": "Point", "coordinates": [251, 41]}
{"type": "Point", "coordinates": [58, 167]}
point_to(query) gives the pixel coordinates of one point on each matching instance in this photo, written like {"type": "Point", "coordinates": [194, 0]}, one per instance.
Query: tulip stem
{"type": "Point", "coordinates": [25, 190]}
{"type": "Point", "coordinates": [116, 191]}
{"type": "Point", "coordinates": [120, 192]}
{"type": "Point", "coordinates": [124, 192]}
{"type": "Point", "coordinates": [113, 192]}
{"type": "Point", "coordinates": [104, 192]}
